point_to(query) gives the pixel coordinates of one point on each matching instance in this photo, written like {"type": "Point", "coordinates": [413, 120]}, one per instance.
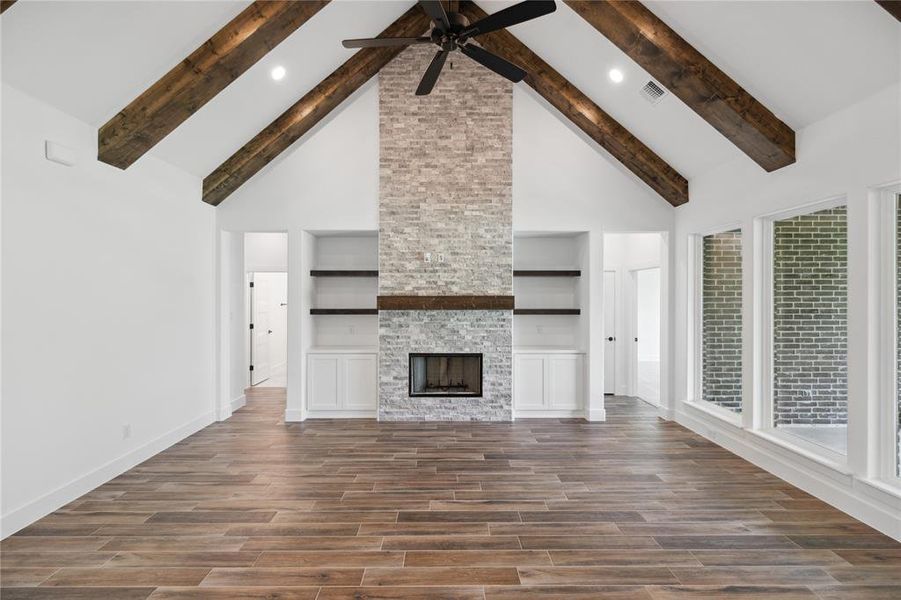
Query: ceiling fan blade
{"type": "Point", "coordinates": [518, 13]}
{"type": "Point", "coordinates": [502, 67]}
{"type": "Point", "coordinates": [430, 78]}
{"type": "Point", "coordinates": [384, 42]}
{"type": "Point", "coordinates": [436, 12]}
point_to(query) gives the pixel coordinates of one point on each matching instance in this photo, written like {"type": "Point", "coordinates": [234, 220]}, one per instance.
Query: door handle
{"type": "Point", "coordinates": [610, 339]}
{"type": "Point", "coordinates": [270, 331]}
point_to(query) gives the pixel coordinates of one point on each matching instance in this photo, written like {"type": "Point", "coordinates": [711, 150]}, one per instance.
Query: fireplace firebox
{"type": "Point", "coordinates": [448, 374]}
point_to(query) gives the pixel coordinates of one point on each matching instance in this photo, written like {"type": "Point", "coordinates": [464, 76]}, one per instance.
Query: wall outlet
{"type": "Point", "coordinates": [539, 329]}
{"type": "Point", "coordinates": [352, 330]}
{"type": "Point", "coordinates": [427, 257]}
{"type": "Point", "coordinates": [126, 431]}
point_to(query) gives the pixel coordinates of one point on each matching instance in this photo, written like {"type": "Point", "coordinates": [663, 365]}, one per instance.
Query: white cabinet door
{"type": "Point", "coordinates": [528, 383]}
{"type": "Point", "coordinates": [564, 381]}
{"type": "Point", "coordinates": [323, 381]}
{"type": "Point", "coordinates": [360, 382]}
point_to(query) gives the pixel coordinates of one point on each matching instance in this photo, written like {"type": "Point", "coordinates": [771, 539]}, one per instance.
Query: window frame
{"type": "Point", "coordinates": [764, 411]}
{"type": "Point", "coordinates": [887, 406]}
{"type": "Point", "coordinates": [695, 396]}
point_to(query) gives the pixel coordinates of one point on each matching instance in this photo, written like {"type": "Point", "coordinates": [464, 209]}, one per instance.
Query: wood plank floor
{"type": "Point", "coordinates": [634, 508]}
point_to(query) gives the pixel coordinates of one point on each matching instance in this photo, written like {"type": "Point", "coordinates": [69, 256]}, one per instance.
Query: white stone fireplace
{"type": "Point", "coordinates": [445, 235]}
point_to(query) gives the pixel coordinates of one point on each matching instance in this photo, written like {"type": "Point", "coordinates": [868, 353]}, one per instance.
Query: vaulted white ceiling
{"type": "Point", "coordinates": [803, 60]}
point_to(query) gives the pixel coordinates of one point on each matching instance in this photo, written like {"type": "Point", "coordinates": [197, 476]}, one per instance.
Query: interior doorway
{"type": "Point", "coordinates": [265, 329]}
{"type": "Point", "coordinates": [633, 315]}
{"type": "Point", "coordinates": [268, 329]}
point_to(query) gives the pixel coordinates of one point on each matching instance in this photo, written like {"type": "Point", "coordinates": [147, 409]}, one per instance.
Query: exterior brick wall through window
{"type": "Point", "coordinates": [810, 322]}
{"type": "Point", "coordinates": [721, 320]}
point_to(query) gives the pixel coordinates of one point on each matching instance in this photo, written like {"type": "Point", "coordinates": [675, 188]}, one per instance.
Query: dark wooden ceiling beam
{"type": "Point", "coordinates": [892, 6]}
{"type": "Point", "coordinates": [4, 4]}
{"type": "Point", "coordinates": [309, 110]}
{"type": "Point", "coordinates": [197, 79]}
{"type": "Point", "coordinates": [584, 113]}
{"type": "Point", "coordinates": [693, 79]}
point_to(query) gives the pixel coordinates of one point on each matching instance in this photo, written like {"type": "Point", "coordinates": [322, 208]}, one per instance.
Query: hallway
{"type": "Point", "coordinates": [634, 508]}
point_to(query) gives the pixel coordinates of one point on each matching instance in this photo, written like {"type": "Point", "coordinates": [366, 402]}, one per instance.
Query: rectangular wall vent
{"type": "Point", "coordinates": [652, 92]}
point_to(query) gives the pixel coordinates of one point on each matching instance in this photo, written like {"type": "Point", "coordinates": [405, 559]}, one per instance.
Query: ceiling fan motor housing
{"type": "Point", "coordinates": [448, 39]}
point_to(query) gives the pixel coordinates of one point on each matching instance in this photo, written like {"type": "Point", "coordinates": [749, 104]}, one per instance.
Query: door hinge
{"type": "Point", "coordinates": [251, 325]}
{"type": "Point", "coordinates": [251, 367]}
{"type": "Point", "coordinates": [251, 284]}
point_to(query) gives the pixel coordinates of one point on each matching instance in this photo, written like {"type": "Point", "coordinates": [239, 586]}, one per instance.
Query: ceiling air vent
{"type": "Point", "coordinates": [652, 92]}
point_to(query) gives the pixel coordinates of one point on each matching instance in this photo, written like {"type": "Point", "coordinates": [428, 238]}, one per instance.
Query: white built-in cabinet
{"type": "Point", "coordinates": [548, 383]}
{"type": "Point", "coordinates": [342, 384]}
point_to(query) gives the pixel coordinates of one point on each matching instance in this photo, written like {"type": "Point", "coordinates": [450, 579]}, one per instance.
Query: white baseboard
{"type": "Point", "coordinates": [46, 504]}
{"type": "Point", "coordinates": [341, 414]}
{"type": "Point", "coordinates": [293, 415]}
{"type": "Point", "coordinates": [859, 498]}
{"type": "Point", "coordinates": [597, 415]}
{"type": "Point", "coordinates": [239, 402]}
{"type": "Point", "coordinates": [548, 414]}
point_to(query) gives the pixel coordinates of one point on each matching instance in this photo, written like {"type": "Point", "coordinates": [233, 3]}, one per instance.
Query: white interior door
{"type": "Point", "coordinates": [647, 334]}
{"type": "Point", "coordinates": [276, 293]}
{"type": "Point", "coordinates": [610, 332]}
{"type": "Point", "coordinates": [260, 331]}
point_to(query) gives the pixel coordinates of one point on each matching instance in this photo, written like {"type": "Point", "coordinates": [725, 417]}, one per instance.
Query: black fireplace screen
{"type": "Point", "coordinates": [445, 375]}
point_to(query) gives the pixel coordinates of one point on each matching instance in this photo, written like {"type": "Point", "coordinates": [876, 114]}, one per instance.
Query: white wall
{"type": "Point", "coordinates": [844, 155]}
{"type": "Point", "coordinates": [265, 252]}
{"type": "Point", "coordinates": [233, 338]}
{"type": "Point", "coordinates": [108, 304]}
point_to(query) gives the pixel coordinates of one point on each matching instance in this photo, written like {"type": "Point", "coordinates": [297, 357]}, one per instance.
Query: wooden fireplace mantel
{"type": "Point", "coordinates": [445, 302]}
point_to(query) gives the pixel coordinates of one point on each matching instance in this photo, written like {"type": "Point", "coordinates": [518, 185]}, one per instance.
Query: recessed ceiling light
{"type": "Point", "coordinates": [615, 75]}
{"type": "Point", "coordinates": [278, 73]}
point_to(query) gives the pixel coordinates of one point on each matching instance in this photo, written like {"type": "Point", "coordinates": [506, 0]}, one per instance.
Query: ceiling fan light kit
{"type": "Point", "coordinates": [452, 31]}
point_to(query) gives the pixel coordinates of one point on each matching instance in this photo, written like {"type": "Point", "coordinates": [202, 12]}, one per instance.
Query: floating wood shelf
{"type": "Point", "coordinates": [344, 311]}
{"type": "Point", "coordinates": [546, 311]}
{"type": "Point", "coordinates": [340, 273]}
{"type": "Point", "coordinates": [539, 273]}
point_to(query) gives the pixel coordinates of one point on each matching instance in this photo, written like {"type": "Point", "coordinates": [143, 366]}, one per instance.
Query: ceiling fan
{"type": "Point", "coordinates": [452, 31]}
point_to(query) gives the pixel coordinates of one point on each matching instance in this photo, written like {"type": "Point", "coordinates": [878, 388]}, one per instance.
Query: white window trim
{"type": "Point", "coordinates": [888, 203]}
{"type": "Point", "coordinates": [763, 418]}
{"type": "Point", "coordinates": [695, 396]}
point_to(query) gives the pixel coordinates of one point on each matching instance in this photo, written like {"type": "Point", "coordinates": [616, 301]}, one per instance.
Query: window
{"type": "Point", "coordinates": [809, 327]}
{"type": "Point", "coordinates": [721, 319]}
{"type": "Point", "coordinates": [897, 399]}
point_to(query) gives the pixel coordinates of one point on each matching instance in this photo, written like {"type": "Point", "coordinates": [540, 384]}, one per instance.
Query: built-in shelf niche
{"type": "Point", "coordinates": [342, 289]}
{"type": "Point", "coordinates": [551, 288]}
